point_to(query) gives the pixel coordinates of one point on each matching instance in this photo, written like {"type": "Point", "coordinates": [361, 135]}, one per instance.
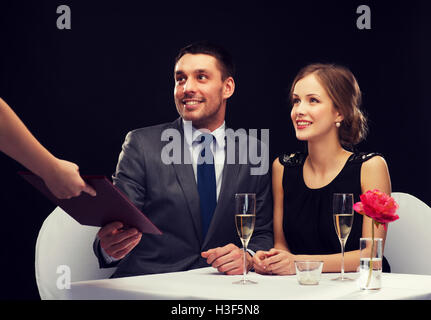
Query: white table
{"type": "Point", "coordinates": [208, 283]}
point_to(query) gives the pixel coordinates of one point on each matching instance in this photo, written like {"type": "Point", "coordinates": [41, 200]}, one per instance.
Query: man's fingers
{"type": "Point", "coordinates": [230, 260]}
{"type": "Point", "coordinates": [119, 237]}
{"type": "Point", "coordinates": [121, 253]}
{"type": "Point", "coordinates": [232, 268]}
{"type": "Point", "coordinates": [216, 253]}
{"type": "Point", "coordinates": [213, 254]}
{"type": "Point", "coordinates": [125, 245]}
{"type": "Point", "coordinates": [110, 228]}
{"type": "Point", "coordinates": [205, 254]}
{"type": "Point", "coordinates": [236, 266]}
{"type": "Point", "coordinates": [234, 255]}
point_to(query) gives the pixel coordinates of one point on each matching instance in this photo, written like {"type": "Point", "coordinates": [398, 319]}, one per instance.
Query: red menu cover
{"type": "Point", "coordinates": [109, 205]}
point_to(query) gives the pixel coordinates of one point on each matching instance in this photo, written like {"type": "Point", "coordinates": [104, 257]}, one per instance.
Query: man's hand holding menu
{"type": "Point", "coordinates": [118, 241]}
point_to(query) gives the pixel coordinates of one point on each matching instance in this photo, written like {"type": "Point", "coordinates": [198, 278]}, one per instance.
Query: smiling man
{"type": "Point", "coordinates": [191, 202]}
{"type": "Point", "coordinates": [202, 87]}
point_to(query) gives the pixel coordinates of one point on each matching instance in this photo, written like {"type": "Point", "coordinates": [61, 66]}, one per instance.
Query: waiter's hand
{"type": "Point", "coordinates": [228, 259]}
{"type": "Point", "coordinates": [64, 181]}
{"type": "Point", "coordinates": [117, 241]}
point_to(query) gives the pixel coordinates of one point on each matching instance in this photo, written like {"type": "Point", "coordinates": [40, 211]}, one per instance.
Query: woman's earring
{"type": "Point", "coordinates": [337, 124]}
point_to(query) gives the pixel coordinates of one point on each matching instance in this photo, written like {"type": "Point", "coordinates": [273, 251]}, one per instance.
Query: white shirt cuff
{"type": "Point", "coordinates": [252, 253]}
{"type": "Point", "coordinates": [108, 259]}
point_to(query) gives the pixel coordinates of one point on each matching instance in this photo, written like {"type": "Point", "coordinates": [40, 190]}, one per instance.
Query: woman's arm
{"type": "Point", "coordinates": [279, 239]}
{"type": "Point", "coordinates": [61, 176]}
{"type": "Point", "coordinates": [375, 175]}
{"type": "Point", "coordinates": [278, 202]}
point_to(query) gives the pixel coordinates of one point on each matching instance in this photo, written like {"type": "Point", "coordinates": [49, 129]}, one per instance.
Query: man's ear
{"type": "Point", "coordinates": [228, 87]}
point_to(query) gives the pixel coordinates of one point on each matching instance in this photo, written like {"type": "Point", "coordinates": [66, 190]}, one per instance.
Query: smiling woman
{"type": "Point", "coordinates": [325, 113]}
{"type": "Point", "coordinates": [344, 94]}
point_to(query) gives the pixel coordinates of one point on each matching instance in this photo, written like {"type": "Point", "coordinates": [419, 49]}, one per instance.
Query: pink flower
{"type": "Point", "coordinates": [378, 206]}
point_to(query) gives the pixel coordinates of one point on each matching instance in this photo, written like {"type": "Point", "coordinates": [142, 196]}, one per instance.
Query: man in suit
{"type": "Point", "coordinates": [190, 201]}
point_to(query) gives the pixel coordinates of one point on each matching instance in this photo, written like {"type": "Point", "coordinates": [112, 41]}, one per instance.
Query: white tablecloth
{"type": "Point", "coordinates": [208, 283]}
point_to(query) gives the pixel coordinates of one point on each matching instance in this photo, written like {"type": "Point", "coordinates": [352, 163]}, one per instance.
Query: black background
{"type": "Point", "coordinates": [80, 91]}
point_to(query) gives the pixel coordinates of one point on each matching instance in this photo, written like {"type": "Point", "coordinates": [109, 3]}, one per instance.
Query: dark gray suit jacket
{"type": "Point", "coordinates": [167, 194]}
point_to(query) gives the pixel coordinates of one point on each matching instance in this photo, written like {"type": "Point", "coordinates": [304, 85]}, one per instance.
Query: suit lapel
{"type": "Point", "coordinates": [187, 181]}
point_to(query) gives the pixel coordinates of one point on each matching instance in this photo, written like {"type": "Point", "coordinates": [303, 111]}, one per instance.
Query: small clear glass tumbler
{"type": "Point", "coordinates": [308, 272]}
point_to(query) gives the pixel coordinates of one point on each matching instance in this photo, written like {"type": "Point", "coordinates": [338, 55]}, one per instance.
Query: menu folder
{"type": "Point", "coordinates": [109, 205]}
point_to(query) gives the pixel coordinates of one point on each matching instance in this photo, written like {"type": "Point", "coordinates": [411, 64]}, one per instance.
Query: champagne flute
{"type": "Point", "coordinates": [343, 220]}
{"type": "Point", "coordinates": [245, 217]}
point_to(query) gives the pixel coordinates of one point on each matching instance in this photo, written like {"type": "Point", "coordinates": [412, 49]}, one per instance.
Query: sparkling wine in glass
{"type": "Point", "coordinates": [343, 220]}
{"type": "Point", "coordinates": [245, 218]}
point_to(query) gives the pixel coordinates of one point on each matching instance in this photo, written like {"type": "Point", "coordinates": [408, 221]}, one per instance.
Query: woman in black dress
{"type": "Point", "coordinates": [325, 113]}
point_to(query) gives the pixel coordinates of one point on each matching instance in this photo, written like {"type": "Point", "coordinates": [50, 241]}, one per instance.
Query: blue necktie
{"type": "Point", "coordinates": [206, 181]}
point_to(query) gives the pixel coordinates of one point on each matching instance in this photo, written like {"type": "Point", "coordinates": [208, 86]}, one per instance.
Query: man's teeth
{"type": "Point", "coordinates": [191, 102]}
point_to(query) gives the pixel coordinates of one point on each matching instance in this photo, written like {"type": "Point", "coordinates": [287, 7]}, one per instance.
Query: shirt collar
{"type": "Point", "coordinates": [219, 133]}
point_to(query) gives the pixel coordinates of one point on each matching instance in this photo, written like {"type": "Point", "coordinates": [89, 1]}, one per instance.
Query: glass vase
{"type": "Point", "coordinates": [370, 267]}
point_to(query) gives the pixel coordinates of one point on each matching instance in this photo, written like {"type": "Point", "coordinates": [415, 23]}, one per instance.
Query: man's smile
{"type": "Point", "coordinates": [191, 103]}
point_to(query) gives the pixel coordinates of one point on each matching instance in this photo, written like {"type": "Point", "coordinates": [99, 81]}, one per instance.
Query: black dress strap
{"type": "Point", "coordinates": [292, 159]}
{"type": "Point", "coordinates": [295, 159]}
{"type": "Point", "coordinates": [363, 156]}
